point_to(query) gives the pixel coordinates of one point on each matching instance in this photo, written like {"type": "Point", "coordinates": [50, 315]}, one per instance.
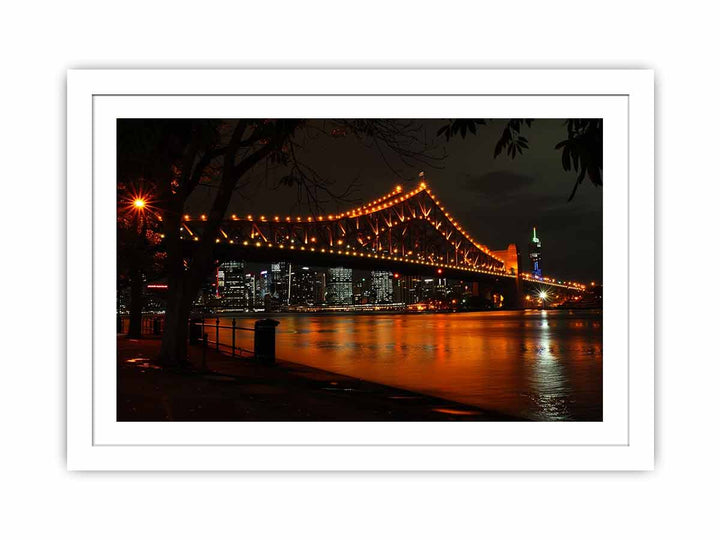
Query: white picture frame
{"type": "Point", "coordinates": [623, 441]}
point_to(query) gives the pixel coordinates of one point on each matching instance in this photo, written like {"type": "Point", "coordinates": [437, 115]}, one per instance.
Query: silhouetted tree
{"type": "Point", "coordinates": [178, 156]}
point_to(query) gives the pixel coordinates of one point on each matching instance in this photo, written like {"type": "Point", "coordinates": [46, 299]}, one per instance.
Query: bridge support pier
{"type": "Point", "coordinates": [512, 292]}
{"type": "Point", "coordinates": [499, 294]}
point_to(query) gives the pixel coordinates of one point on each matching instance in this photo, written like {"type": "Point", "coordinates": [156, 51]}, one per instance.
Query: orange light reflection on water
{"type": "Point", "coordinates": [544, 365]}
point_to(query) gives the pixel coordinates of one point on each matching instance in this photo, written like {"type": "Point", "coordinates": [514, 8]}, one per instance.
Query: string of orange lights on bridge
{"type": "Point", "coordinates": [383, 203]}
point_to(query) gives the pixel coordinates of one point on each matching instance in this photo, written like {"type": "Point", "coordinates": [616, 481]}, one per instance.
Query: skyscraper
{"type": "Point", "coordinates": [320, 287]}
{"type": "Point", "coordinates": [382, 290]}
{"type": "Point", "coordinates": [302, 292]}
{"type": "Point", "coordinates": [230, 284]}
{"type": "Point", "coordinates": [280, 275]}
{"type": "Point", "coordinates": [250, 291]}
{"type": "Point", "coordinates": [339, 287]}
{"type": "Point", "coordinates": [407, 289]}
{"type": "Point", "coordinates": [263, 287]}
{"type": "Point", "coordinates": [361, 290]}
{"type": "Point", "coordinates": [535, 252]}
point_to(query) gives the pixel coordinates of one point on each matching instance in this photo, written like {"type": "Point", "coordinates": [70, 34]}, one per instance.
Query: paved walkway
{"type": "Point", "coordinates": [241, 390]}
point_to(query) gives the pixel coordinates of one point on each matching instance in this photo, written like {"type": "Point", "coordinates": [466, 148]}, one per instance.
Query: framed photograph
{"type": "Point", "coordinates": [360, 270]}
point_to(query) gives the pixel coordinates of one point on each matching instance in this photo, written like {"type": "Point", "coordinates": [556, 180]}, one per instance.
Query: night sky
{"type": "Point", "coordinates": [498, 200]}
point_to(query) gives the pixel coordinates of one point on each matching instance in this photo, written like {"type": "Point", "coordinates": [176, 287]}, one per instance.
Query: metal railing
{"type": "Point", "coordinates": [263, 338]}
{"type": "Point", "coordinates": [217, 343]}
{"type": "Point", "coordinates": [154, 325]}
{"type": "Point", "coordinates": [263, 335]}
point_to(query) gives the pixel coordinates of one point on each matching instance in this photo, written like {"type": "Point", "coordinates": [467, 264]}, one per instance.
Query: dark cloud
{"type": "Point", "coordinates": [497, 184]}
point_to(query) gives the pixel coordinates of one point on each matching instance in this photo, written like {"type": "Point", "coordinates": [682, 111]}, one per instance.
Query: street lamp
{"type": "Point", "coordinates": [138, 204]}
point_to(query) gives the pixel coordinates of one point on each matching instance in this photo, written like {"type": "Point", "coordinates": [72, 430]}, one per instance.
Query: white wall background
{"type": "Point", "coordinates": [40, 40]}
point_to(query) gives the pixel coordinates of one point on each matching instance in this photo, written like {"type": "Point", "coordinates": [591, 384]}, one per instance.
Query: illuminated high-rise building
{"type": "Point", "coordinates": [230, 285]}
{"type": "Point", "coordinates": [320, 287]}
{"type": "Point", "coordinates": [280, 276]}
{"type": "Point", "coordinates": [361, 290]}
{"type": "Point", "coordinates": [250, 291]}
{"type": "Point", "coordinates": [339, 286]}
{"type": "Point", "coordinates": [302, 288]}
{"type": "Point", "coordinates": [382, 289]}
{"type": "Point", "coordinates": [535, 252]}
{"type": "Point", "coordinates": [263, 288]}
{"type": "Point", "coordinates": [407, 289]}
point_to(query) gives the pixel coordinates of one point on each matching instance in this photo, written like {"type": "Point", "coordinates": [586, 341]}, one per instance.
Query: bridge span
{"type": "Point", "coordinates": [411, 233]}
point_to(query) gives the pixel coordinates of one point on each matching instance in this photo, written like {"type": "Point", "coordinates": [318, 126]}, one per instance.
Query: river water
{"type": "Point", "coordinates": [539, 365]}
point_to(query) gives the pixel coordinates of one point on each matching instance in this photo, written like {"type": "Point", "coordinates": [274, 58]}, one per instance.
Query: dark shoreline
{"type": "Point", "coordinates": [237, 390]}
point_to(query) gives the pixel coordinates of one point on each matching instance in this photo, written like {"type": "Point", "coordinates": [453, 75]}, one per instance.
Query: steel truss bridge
{"type": "Point", "coordinates": [410, 232]}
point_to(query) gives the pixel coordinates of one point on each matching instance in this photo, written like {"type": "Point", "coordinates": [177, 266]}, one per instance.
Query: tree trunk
{"type": "Point", "coordinates": [184, 284]}
{"type": "Point", "coordinates": [173, 350]}
{"type": "Point", "coordinates": [136, 304]}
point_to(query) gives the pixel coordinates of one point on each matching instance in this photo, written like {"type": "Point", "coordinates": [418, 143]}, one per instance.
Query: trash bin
{"type": "Point", "coordinates": [157, 322]}
{"type": "Point", "coordinates": [265, 340]}
{"type": "Point", "coordinates": [195, 335]}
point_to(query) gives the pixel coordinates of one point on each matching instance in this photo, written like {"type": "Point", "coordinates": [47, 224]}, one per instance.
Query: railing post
{"type": "Point", "coordinates": [217, 333]}
{"type": "Point", "coordinates": [195, 332]}
{"type": "Point", "coordinates": [233, 337]}
{"type": "Point", "coordinates": [204, 352]}
{"type": "Point", "coordinates": [265, 340]}
{"type": "Point", "coordinates": [156, 326]}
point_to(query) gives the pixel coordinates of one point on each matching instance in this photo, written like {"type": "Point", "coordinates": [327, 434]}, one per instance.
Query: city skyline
{"type": "Point", "coordinates": [257, 286]}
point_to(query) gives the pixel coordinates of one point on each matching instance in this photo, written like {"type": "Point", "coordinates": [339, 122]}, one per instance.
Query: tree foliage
{"type": "Point", "coordinates": [582, 150]}
{"type": "Point", "coordinates": [138, 234]}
